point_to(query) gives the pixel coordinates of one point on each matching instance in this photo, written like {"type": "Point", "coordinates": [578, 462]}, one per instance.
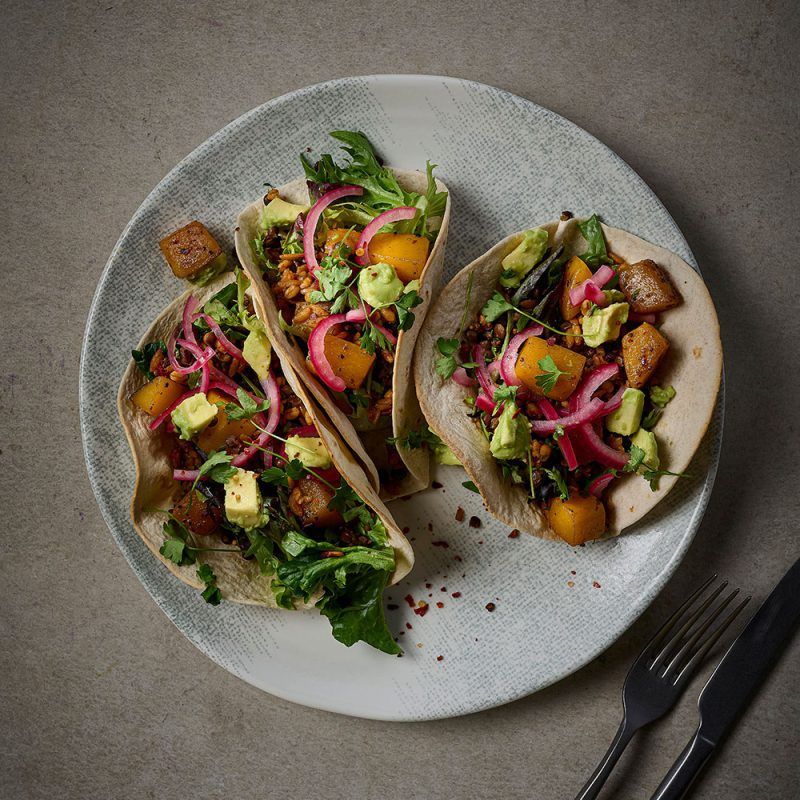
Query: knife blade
{"type": "Point", "coordinates": [741, 670]}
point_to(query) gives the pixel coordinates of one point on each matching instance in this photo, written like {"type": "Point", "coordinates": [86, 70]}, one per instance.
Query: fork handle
{"type": "Point", "coordinates": [684, 771]}
{"type": "Point", "coordinates": [593, 786]}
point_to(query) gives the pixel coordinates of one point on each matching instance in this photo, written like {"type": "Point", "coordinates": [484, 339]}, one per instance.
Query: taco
{"type": "Point", "coordinates": [579, 379]}
{"type": "Point", "coordinates": [243, 488]}
{"type": "Point", "coordinates": [344, 260]}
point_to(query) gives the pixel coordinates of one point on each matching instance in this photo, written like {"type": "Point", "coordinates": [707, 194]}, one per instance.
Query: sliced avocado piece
{"type": "Point", "coordinates": [309, 450]}
{"type": "Point", "coordinates": [524, 257]}
{"type": "Point", "coordinates": [193, 415]}
{"type": "Point", "coordinates": [279, 213]}
{"type": "Point", "coordinates": [604, 324]}
{"type": "Point", "coordinates": [512, 436]}
{"type": "Point", "coordinates": [257, 352]}
{"type": "Point", "coordinates": [444, 455]}
{"type": "Point", "coordinates": [646, 440]}
{"type": "Point", "coordinates": [243, 499]}
{"type": "Point", "coordinates": [627, 418]}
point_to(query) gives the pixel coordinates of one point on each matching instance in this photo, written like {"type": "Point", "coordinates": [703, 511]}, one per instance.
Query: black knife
{"type": "Point", "coordinates": [734, 681]}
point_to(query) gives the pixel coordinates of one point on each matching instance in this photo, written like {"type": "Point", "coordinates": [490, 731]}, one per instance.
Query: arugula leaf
{"type": "Point", "coordinates": [550, 374]}
{"type": "Point", "coordinates": [471, 486]}
{"type": "Point", "coordinates": [284, 596]}
{"type": "Point", "coordinates": [593, 233]}
{"type": "Point", "coordinates": [211, 594]}
{"type": "Point", "coordinates": [176, 547]}
{"type": "Point", "coordinates": [143, 357]}
{"type": "Point", "coordinates": [405, 316]}
{"type": "Point", "coordinates": [495, 307]}
{"type": "Point", "coordinates": [262, 549]}
{"type": "Point", "coordinates": [557, 478]}
{"type": "Point", "coordinates": [248, 408]}
{"type": "Point", "coordinates": [217, 467]}
{"type": "Point", "coordinates": [446, 364]}
{"type": "Point", "coordinates": [637, 456]}
{"type": "Point", "coordinates": [660, 396]}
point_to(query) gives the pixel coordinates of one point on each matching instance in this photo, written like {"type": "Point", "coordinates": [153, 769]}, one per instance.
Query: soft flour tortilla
{"type": "Point", "coordinates": [693, 366]}
{"type": "Point", "coordinates": [239, 580]}
{"type": "Point", "coordinates": [406, 413]}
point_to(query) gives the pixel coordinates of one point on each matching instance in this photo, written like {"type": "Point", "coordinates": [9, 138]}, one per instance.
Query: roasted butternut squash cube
{"type": "Point", "coordinates": [578, 519]}
{"type": "Point", "coordinates": [403, 251]}
{"type": "Point", "coordinates": [198, 513]}
{"type": "Point", "coordinates": [575, 273]}
{"type": "Point", "coordinates": [569, 363]}
{"type": "Point", "coordinates": [309, 500]}
{"type": "Point", "coordinates": [190, 249]}
{"type": "Point", "coordinates": [348, 361]}
{"type": "Point", "coordinates": [341, 236]}
{"type": "Point", "coordinates": [221, 427]}
{"type": "Point", "coordinates": [157, 395]}
{"type": "Point", "coordinates": [647, 287]}
{"type": "Point", "coordinates": [642, 350]}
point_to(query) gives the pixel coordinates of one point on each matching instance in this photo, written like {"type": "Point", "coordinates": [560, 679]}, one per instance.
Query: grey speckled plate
{"type": "Point", "coordinates": [509, 163]}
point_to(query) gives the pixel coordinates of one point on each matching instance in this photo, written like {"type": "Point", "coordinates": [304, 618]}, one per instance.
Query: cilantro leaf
{"type": "Point", "coordinates": [471, 486]}
{"type": "Point", "coordinates": [495, 307]}
{"type": "Point", "coordinates": [217, 467]}
{"type": "Point", "coordinates": [596, 242]}
{"type": "Point", "coordinates": [248, 407]}
{"type": "Point", "coordinates": [373, 338]}
{"type": "Point", "coordinates": [636, 459]}
{"type": "Point", "coordinates": [446, 364]}
{"type": "Point", "coordinates": [211, 594]}
{"type": "Point", "coordinates": [262, 549]}
{"type": "Point", "coordinates": [502, 393]}
{"type": "Point", "coordinates": [335, 277]}
{"type": "Point", "coordinates": [558, 432]}
{"type": "Point", "coordinates": [416, 438]}
{"type": "Point", "coordinates": [405, 316]}
{"type": "Point", "coordinates": [652, 476]}
{"type": "Point", "coordinates": [295, 469]}
{"type": "Point", "coordinates": [550, 374]}
{"type": "Point", "coordinates": [275, 476]}
{"type": "Point", "coordinates": [176, 547]}
{"type": "Point", "coordinates": [557, 478]}
{"type": "Point", "coordinates": [143, 357]}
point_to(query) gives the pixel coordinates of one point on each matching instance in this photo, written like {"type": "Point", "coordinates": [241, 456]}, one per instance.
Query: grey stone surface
{"type": "Point", "coordinates": [99, 695]}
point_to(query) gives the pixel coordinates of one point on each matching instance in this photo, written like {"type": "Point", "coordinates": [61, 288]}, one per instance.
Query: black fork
{"type": "Point", "coordinates": [662, 670]}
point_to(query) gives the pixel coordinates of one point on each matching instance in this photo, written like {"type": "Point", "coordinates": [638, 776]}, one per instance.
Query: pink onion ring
{"type": "Point", "coordinates": [508, 363]}
{"type": "Point", "coordinates": [312, 220]}
{"type": "Point", "coordinates": [169, 409]}
{"type": "Point", "coordinates": [481, 372]}
{"type": "Point", "coordinates": [185, 474]}
{"type": "Point", "coordinates": [593, 381]}
{"type": "Point", "coordinates": [581, 416]}
{"type": "Point", "coordinates": [316, 352]}
{"type": "Point", "coordinates": [577, 294]}
{"type": "Point", "coordinates": [484, 403]}
{"type": "Point", "coordinates": [201, 357]}
{"type": "Point", "coordinates": [227, 345]}
{"type": "Point", "coordinates": [188, 315]}
{"type": "Point", "coordinates": [386, 218]}
{"type": "Point", "coordinates": [564, 442]}
{"type": "Point", "coordinates": [599, 484]}
{"type": "Point", "coordinates": [273, 394]}
{"type": "Point", "coordinates": [597, 450]}
{"type": "Point", "coordinates": [461, 378]}
{"type": "Point", "coordinates": [634, 317]}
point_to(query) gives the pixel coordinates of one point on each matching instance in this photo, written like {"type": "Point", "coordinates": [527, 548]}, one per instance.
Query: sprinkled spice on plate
{"type": "Point", "coordinates": [460, 514]}
{"type": "Point", "coordinates": [490, 606]}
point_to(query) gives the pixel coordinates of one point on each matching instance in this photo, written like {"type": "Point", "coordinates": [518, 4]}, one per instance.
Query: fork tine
{"type": "Point", "coordinates": [689, 644]}
{"type": "Point", "coordinates": [668, 625]}
{"type": "Point", "coordinates": [670, 646]}
{"type": "Point", "coordinates": [698, 657]}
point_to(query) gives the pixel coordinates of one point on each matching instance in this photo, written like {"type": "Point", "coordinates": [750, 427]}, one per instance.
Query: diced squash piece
{"type": "Point", "coordinates": [190, 249]}
{"type": "Point", "coordinates": [157, 395]}
{"type": "Point", "coordinates": [336, 236]}
{"type": "Point", "coordinates": [309, 500]}
{"type": "Point", "coordinates": [578, 519]}
{"type": "Point", "coordinates": [575, 273]}
{"type": "Point", "coordinates": [221, 427]}
{"type": "Point", "coordinates": [199, 514]}
{"type": "Point", "coordinates": [569, 362]}
{"type": "Point", "coordinates": [403, 251]}
{"type": "Point", "coordinates": [647, 287]}
{"type": "Point", "coordinates": [642, 349]}
{"type": "Point", "coordinates": [348, 361]}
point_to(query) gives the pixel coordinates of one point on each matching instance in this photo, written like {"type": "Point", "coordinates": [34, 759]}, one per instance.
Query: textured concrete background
{"type": "Point", "coordinates": [100, 697]}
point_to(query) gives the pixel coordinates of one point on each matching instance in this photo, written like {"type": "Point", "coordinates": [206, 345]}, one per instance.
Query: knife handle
{"type": "Point", "coordinates": [684, 771]}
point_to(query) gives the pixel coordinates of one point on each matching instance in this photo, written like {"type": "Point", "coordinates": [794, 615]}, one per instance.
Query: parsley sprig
{"type": "Point", "coordinates": [550, 374]}
{"type": "Point", "coordinates": [497, 305]}
{"type": "Point", "coordinates": [247, 407]}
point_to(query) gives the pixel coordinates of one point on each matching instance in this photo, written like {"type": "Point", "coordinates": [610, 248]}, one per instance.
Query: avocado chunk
{"type": "Point", "coordinates": [627, 418]}
{"type": "Point", "coordinates": [604, 324]}
{"type": "Point", "coordinates": [257, 352]}
{"type": "Point", "coordinates": [280, 213]}
{"type": "Point", "coordinates": [243, 499]}
{"type": "Point", "coordinates": [444, 455]}
{"type": "Point", "coordinates": [524, 257]}
{"type": "Point", "coordinates": [646, 440]}
{"type": "Point", "coordinates": [309, 450]}
{"type": "Point", "coordinates": [512, 436]}
{"type": "Point", "coordinates": [378, 285]}
{"type": "Point", "coordinates": [193, 415]}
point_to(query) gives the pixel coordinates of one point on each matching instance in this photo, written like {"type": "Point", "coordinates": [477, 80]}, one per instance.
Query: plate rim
{"type": "Point", "coordinates": [644, 600]}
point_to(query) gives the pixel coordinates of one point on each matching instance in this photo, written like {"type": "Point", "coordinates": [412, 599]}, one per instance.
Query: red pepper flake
{"type": "Point", "coordinates": [458, 558]}
{"type": "Point", "coordinates": [430, 595]}
{"type": "Point", "coordinates": [440, 658]}
{"type": "Point", "coordinates": [490, 606]}
{"type": "Point", "coordinates": [456, 594]}
{"type": "Point", "coordinates": [437, 485]}
{"type": "Point", "coordinates": [480, 541]}
{"type": "Point", "coordinates": [514, 534]}
{"type": "Point", "coordinates": [428, 585]}
{"type": "Point", "coordinates": [460, 514]}
{"type": "Point", "coordinates": [402, 633]}
{"type": "Point", "coordinates": [392, 606]}
{"type": "Point", "coordinates": [572, 572]}
{"type": "Point", "coordinates": [596, 585]}
{"type": "Point", "coordinates": [439, 604]}
{"type": "Point", "coordinates": [443, 589]}
{"type": "Point", "coordinates": [474, 522]}
{"type": "Point", "coordinates": [409, 626]}
{"type": "Point", "coordinates": [406, 529]}
{"type": "Point", "coordinates": [422, 609]}
{"type": "Point", "coordinates": [430, 527]}
{"type": "Point", "coordinates": [440, 543]}
{"type": "Point", "coordinates": [410, 600]}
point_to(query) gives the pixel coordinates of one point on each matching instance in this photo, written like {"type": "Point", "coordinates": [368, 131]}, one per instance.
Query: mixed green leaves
{"type": "Point", "coordinates": [596, 253]}
{"type": "Point", "coordinates": [211, 594]}
{"type": "Point", "coordinates": [416, 438]}
{"type": "Point", "coordinates": [143, 357]}
{"type": "Point", "coordinates": [447, 362]}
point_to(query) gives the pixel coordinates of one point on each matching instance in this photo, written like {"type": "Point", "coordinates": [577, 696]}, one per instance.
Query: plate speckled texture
{"type": "Point", "coordinates": [507, 162]}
